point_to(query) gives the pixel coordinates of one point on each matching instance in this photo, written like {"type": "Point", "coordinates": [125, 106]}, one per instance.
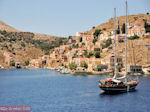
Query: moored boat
{"type": "Point", "coordinates": [121, 84]}
{"type": "Point", "coordinates": [114, 85]}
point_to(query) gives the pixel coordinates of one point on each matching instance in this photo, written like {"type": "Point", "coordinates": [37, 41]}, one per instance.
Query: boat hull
{"type": "Point", "coordinates": [118, 89]}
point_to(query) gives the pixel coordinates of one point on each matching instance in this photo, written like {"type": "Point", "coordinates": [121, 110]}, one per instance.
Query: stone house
{"type": "Point", "coordinates": [8, 58]}
{"type": "Point", "coordinates": [53, 62]}
{"type": "Point", "coordinates": [38, 63]}
{"type": "Point", "coordinates": [118, 60]}
{"type": "Point", "coordinates": [136, 29]}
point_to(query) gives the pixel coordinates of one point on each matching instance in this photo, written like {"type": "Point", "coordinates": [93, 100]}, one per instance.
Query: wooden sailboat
{"type": "Point", "coordinates": [119, 84]}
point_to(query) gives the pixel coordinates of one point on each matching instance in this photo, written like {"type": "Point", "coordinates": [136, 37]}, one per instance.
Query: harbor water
{"type": "Point", "coordinates": [49, 91]}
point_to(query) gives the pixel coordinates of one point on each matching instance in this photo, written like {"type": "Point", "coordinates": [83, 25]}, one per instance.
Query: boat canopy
{"type": "Point", "coordinates": [115, 80]}
{"type": "Point", "coordinates": [119, 78]}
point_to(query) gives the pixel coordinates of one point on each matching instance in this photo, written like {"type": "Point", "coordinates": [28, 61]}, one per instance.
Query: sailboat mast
{"type": "Point", "coordinates": [126, 41]}
{"type": "Point", "coordinates": [115, 74]}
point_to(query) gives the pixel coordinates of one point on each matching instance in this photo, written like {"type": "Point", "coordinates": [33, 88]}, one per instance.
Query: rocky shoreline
{"type": "Point", "coordinates": [109, 73]}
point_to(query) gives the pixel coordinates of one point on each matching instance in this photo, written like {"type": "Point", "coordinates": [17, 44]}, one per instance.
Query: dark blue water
{"type": "Point", "coordinates": [50, 91]}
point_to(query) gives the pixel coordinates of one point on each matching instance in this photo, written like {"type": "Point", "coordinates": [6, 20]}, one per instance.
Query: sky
{"type": "Point", "coordinates": [64, 17]}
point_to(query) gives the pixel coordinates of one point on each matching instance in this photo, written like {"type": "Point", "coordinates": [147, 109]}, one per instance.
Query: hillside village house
{"type": "Point", "coordinates": [53, 62]}
{"type": "Point", "coordinates": [65, 48]}
{"type": "Point", "coordinates": [72, 54]}
{"type": "Point", "coordinates": [97, 49]}
{"type": "Point", "coordinates": [118, 60]}
{"type": "Point", "coordinates": [98, 43]}
{"type": "Point", "coordinates": [71, 41]}
{"type": "Point", "coordinates": [89, 46]}
{"type": "Point", "coordinates": [87, 38]}
{"type": "Point", "coordinates": [80, 34]}
{"type": "Point", "coordinates": [74, 39]}
{"type": "Point", "coordinates": [8, 57]}
{"type": "Point", "coordinates": [38, 63]}
{"type": "Point", "coordinates": [120, 37]}
{"type": "Point", "coordinates": [45, 57]}
{"type": "Point", "coordinates": [136, 29]}
{"type": "Point", "coordinates": [92, 62]}
{"type": "Point", "coordinates": [59, 50]}
{"type": "Point", "coordinates": [105, 35]}
{"type": "Point", "coordinates": [81, 51]}
{"type": "Point", "coordinates": [64, 57]}
{"type": "Point", "coordinates": [105, 61]}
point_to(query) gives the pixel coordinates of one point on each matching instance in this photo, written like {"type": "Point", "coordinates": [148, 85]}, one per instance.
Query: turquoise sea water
{"type": "Point", "coordinates": [50, 91]}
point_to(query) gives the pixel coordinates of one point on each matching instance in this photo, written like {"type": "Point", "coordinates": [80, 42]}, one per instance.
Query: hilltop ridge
{"type": "Point", "coordinates": [108, 26]}
{"type": "Point", "coordinates": [6, 27]}
{"type": "Point", "coordinates": [24, 46]}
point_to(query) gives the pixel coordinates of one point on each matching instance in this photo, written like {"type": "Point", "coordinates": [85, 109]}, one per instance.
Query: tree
{"type": "Point", "coordinates": [83, 44]}
{"type": "Point", "coordinates": [118, 31]}
{"type": "Point", "coordinates": [95, 40]}
{"type": "Point", "coordinates": [12, 63]}
{"type": "Point", "coordinates": [70, 48]}
{"type": "Point", "coordinates": [72, 66]}
{"type": "Point", "coordinates": [97, 32]}
{"type": "Point", "coordinates": [80, 39]}
{"type": "Point", "coordinates": [113, 70]}
{"type": "Point", "coordinates": [84, 64]}
{"type": "Point", "coordinates": [88, 55]}
{"type": "Point", "coordinates": [108, 42]}
{"type": "Point", "coordinates": [104, 29]}
{"type": "Point", "coordinates": [27, 62]}
{"type": "Point", "coordinates": [3, 32]}
{"type": "Point", "coordinates": [147, 27]}
{"type": "Point", "coordinates": [133, 37]}
{"type": "Point", "coordinates": [97, 55]}
{"type": "Point", "coordinates": [103, 46]}
{"type": "Point", "coordinates": [22, 44]}
{"type": "Point", "coordinates": [123, 28]}
{"type": "Point", "coordinates": [119, 67]}
{"type": "Point", "coordinates": [70, 37]}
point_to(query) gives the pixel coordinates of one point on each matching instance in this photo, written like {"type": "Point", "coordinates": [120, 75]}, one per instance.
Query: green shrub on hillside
{"type": "Point", "coordinates": [133, 37]}
{"type": "Point", "coordinates": [123, 28]}
{"type": "Point", "coordinates": [12, 63]}
{"type": "Point", "coordinates": [147, 27]}
{"type": "Point", "coordinates": [72, 66]}
{"type": "Point", "coordinates": [97, 55]}
{"type": "Point", "coordinates": [88, 55]}
{"type": "Point", "coordinates": [27, 62]}
{"type": "Point", "coordinates": [80, 39]}
{"type": "Point", "coordinates": [95, 40]}
{"type": "Point", "coordinates": [23, 44]}
{"type": "Point", "coordinates": [97, 32]}
{"type": "Point", "coordinates": [107, 43]}
{"type": "Point", "coordinates": [84, 64]}
{"type": "Point", "coordinates": [119, 67]}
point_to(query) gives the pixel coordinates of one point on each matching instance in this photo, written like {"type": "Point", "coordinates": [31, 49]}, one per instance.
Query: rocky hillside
{"type": "Point", "coordinates": [4, 26]}
{"type": "Point", "coordinates": [108, 26]}
{"type": "Point", "coordinates": [25, 45]}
